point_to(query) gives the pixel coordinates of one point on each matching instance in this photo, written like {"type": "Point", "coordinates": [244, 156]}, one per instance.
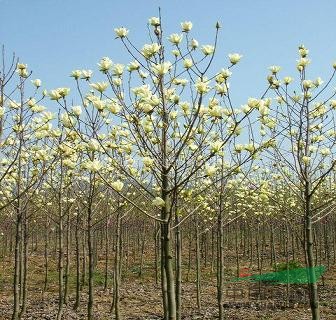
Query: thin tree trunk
{"type": "Point", "coordinates": [78, 285]}
{"type": "Point", "coordinates": [237, 250]}
{"type": "Point", "coordinates": [220, 254]}
{"type": "Point", "coordinates": [178, 265]}
{"type": "Point", "coordinates": [198, 267]}
{"type": "Point", "coordinates": [67, 261]}
{"type": "Point", "coordinates": [106, 252]}
{"type": "Point", "coordinates": [91, 265]}
{"type": "Point", "coordinates": [142, 249]}
{"type": "Point", "coordinates": [287, 264]}
{"type": "Point", "coordinates": [24, 266]}
{"type": "Point", "coordinates": [163, 278]}
{"type": "Point", "coordinates": [168, 267]}
{"type": "Point", "coordinates": [83, 261]}
{"type": "Point", "coordinates": [46, 257]}
{"type": "Point", "coordinates": [60, 269]}
{"type": "Point", "coordinates": [116, 293]}
{"type": "Point", "coordinates": [314, 301]}
{"type": "Point", "coordinates": [16, 279]}
{"type": "Point", "coordinates": [156, 251]}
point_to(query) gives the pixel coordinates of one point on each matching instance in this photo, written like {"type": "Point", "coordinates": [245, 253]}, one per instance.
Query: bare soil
{"type": "Point", "coordinates": [141, 299]}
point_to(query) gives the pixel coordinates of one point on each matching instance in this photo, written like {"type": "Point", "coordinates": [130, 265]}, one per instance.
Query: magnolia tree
{"type": "Point", "coordinates": [58, 185]}
{"type": "Point", "coordinates": [304, 133]}
{"type": "Point", "coordinates": [164, 122]}
{"type": "Point", "coordinates": [26, 140]}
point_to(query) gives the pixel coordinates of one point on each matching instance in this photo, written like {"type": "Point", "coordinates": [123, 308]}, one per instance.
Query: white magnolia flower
{"type": "Point", "coordinates": [54, 95]}
{"type": "Point", "coordinates": [93, 166]}
{"type": "Point", "coordinates": [303, 51]}
{"type": "Point", "coordinates": [86, 74]}
{"type": "Point", "coordinates": [118, 69]}
{"type": "Point", "coordinates": [187, 63]}
{"type": "Point", "coordinates": [325, 152]}
{"type": "Point", "coordinates": [148, 50]}
{"type": "Point", "coordinates": [99, 86]}
{"type": "Point", "coordinates": [287, 80]}
{"type": "Point", "coordinates": [162, 68]}
{"type": "Point", "coordinates": [210, 170]}
{"type": "Point", "coordinates": [77, 110]}
{"type": "Point", "coordinates": [208, 49]}
{"type": "Point", "coordinates": [235, 57]}
{"type": "Point", "coordinates": [147, 161]}
{"type": "Point", "coordinates": [21, 66]}
{"type": "Point", "coordinates": [239, 148]}
{"type": "Point", "coordinates": [263, 108]}
{"type": "Point", "coordinates": [186, 26]}
{"type": "Point", "coordinates": [202, 86]}
{"type": "Point", "coordinates": [121, 32]}
{"type": "Point", "coordinates": [302, 63]}
{"type": "Point", "coordinates": [306, 160]}
{"type": "Point", "coordinates": [105, 64]}
{"type": "Point", "coordinates": [216, 146]}
{"type": "Point", "coordinates": [158, 202]}
{"type": "Point", "coordinates": [307, 84]}
{"type": "Point", "coordinates": [37, 83]}
{"type": "Point", "coordinates": [274, 69]}
{"type": "Point", "coordinates": [93, 145]}
{"type": "Point", "coordinates": [99, 104]}
{"type": "Point", "coordinates": [76, 74]}
{"type": "Point", "coordinates": [193, 44]}
{"type": "Point", "coordinates": [133, 66]}
{"type": "Point", "coordinates": [318, 81]}
{"type": "Point", "coordinates": [117, 185]}
{"type": "Point", "coordinates": [154, 21]}
{"type": "Point", "coordinates": [175, 38]}
{"type": "Point", "coordinates": [67, 121]}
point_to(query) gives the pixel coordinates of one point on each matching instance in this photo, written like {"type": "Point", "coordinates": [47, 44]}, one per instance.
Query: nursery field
{"type": "Point", "coordinates": [140, 291]}
{"type": "Point", "coordinates": [142, 190]}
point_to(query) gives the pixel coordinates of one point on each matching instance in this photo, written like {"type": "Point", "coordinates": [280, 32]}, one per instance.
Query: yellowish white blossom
{"type": "Point", "coordinates": [235, 58]}
{"type": "Point", "coordinates": [186, 26]}
{"type": "Point", "coordinates": [158, 202]}
{"type": "Point", "coordinates": [105, 64]}
{"type": "Point", "coordinates": [175, 38]}
{"type": "Point", "coordinates": [208, 49]}
{"type": "Point", "coordinates": [121, 32]}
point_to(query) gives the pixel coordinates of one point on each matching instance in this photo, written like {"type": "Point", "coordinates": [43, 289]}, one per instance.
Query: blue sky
{"type": "Point", "coordinates": [55, 37]}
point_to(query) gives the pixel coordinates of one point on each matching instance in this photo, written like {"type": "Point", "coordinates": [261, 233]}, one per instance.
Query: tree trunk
{"type": "Point", "coordinates": [198, 267]}
{"type": "Point", "coordinates": [24, 266]}
{"type": "Point", "coordinates": [168, 268]}
{"type": "Point", "coordinates": [116, 293]}
{"type": "Point", "coordinates": [106, 252]}
{"type": "Point", "coordinates": [178, 265]}
{"type": "Point", "coordinates": [312, 285]}
{"type": "Point", "coordinates": [220, 265]}
{"type": "Point", "coordinates": [91, 266]}
{"type": "Point", "coordinates": [78, 286]}
{"type": "Point", "coordinates": [16, 287]}
{"type": "Point", "coordinates": [60, 269]}
{"type": "Point", "coordinates": [46, 257]}
{"type": "Point", "coordinates": [67, 261]}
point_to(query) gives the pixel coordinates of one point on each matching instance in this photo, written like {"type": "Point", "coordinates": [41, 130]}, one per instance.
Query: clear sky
{"type": "Point", "coordinates": [56, 36]}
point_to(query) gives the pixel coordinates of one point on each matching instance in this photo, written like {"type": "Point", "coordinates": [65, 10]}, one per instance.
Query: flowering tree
{"type": "Point", "coordinates": [304, 132]}
{"type": "Point", "coordinates": [25, 134]}
{"type": "Point", "coordinates": [161, 116]}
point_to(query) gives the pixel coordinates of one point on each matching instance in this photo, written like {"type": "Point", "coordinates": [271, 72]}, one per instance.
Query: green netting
{"type": "Point", "coordinates": [299, 275]}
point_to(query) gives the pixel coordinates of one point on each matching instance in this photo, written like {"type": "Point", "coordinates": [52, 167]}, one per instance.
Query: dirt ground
{"type": "Point", "coordinates": [141, 299]}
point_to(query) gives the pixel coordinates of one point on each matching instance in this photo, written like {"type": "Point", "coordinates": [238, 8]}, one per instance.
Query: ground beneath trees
{"type": "Point", "coordinates": [140, 299]}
